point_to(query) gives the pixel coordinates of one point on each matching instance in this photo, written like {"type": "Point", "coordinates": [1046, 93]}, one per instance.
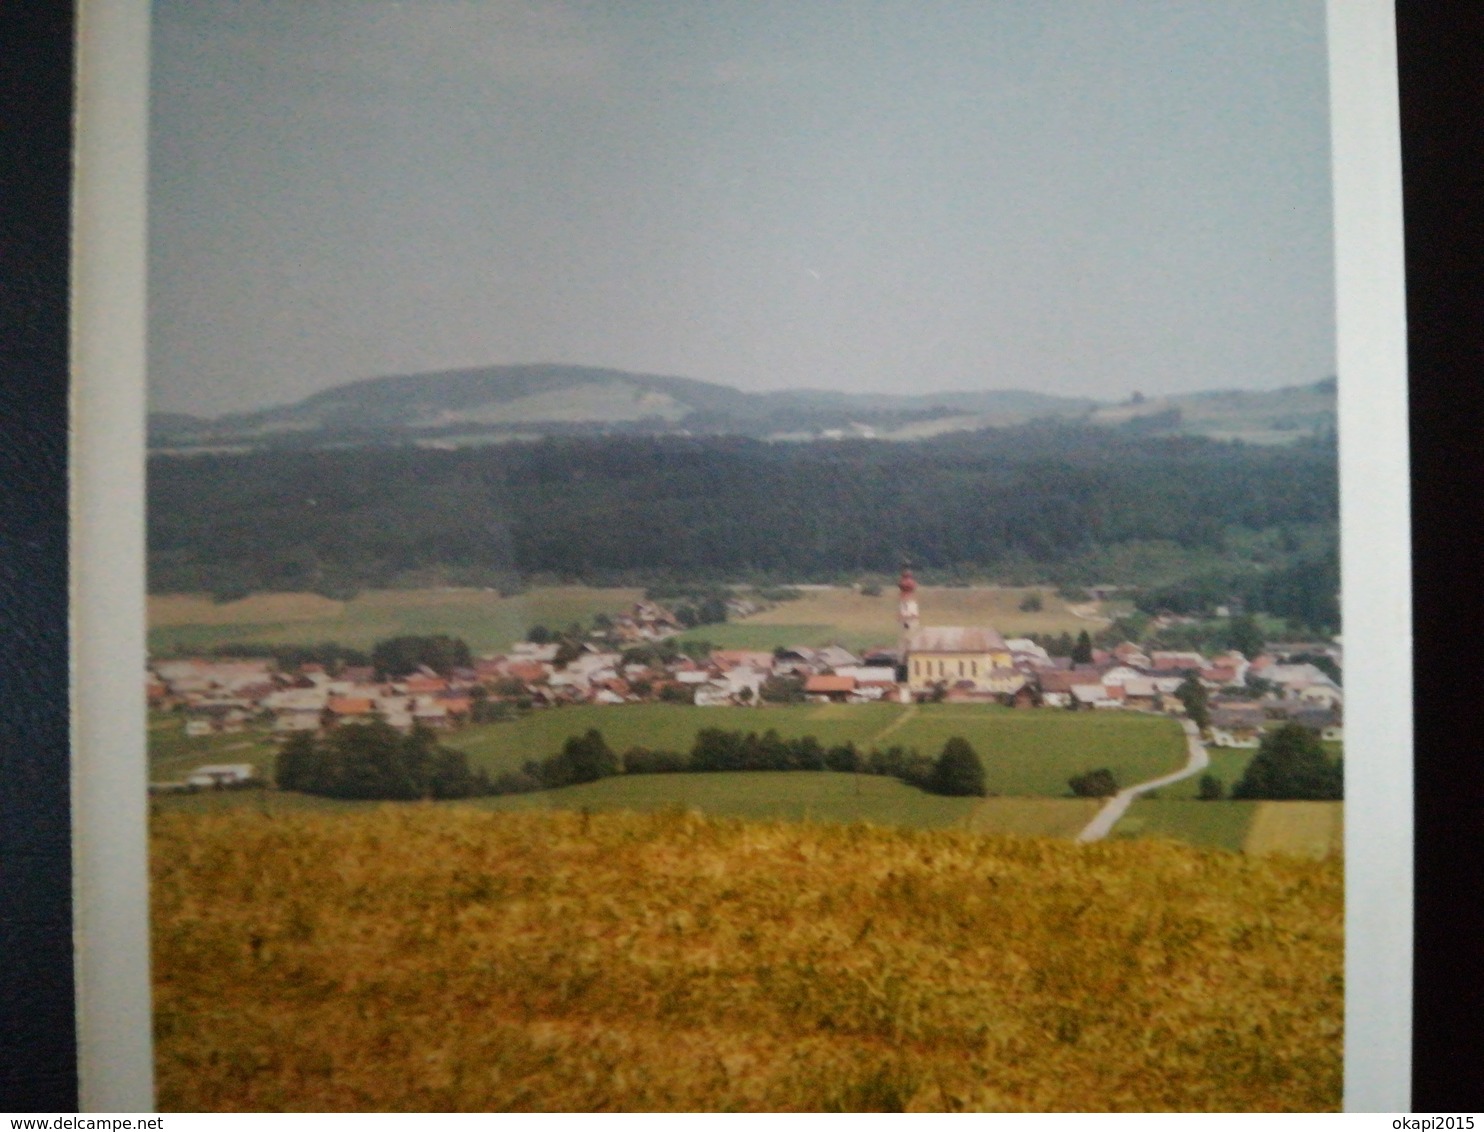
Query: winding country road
{"type": "Point", "coordinates": [1118, 805]}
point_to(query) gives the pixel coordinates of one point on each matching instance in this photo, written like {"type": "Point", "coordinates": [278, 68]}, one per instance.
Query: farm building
{"type": "Point", "coordinates": [225, 774]}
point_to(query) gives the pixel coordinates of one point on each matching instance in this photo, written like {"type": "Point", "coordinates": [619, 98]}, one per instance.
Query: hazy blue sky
{"type": "Point", "coordinates": [1075, 197]}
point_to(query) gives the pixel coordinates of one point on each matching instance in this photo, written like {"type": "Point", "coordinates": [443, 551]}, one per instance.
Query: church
{"type": "Point", "coordinates": [964, 659]}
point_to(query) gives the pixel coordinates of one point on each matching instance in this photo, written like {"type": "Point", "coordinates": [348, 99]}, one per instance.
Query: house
{"type": "Point", "coordinates": [528, 651]}
{"type": "Point", "coordinates": [795, 660]}
{"type": "Point", "coordinates": [1140, 692]}
{"type": "Point", "coordinates": [868, 673]}
{"type": "Point", "coordinates": [349, 709]}
{"type": "Point", "coordinates": [527, 672]}
{"type": "Point", "coordinates": [713, 693]}
{"type": "Point", "coordinates": [1170, 662]}
{"type": "Point", "coordinates": [881, 656]}
{"type": "Point", "coordinates": [727, 659]}
{"type": "Point", "coordinates": [427, 711]}
{"type": "Point", "coordinates": [835, 657]}
{"type": "Point", "coordinates": [1325, 695]}
{"type": "Point", "coordinates": [1058, 686]}
{"type": "Point", "coordinates": [218, 776]}
{"type": "Point", "coordinates": [1028, 696]}
{"type": "Point", "coordinates": [829, 689]}
{"type": "Point", "coordinates": [1093, 696]}
{"type": "Point", "coordinates": [1026, 651]}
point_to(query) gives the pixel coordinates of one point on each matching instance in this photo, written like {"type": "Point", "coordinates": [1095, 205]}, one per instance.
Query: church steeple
{"type": "Point", "coordinates": [906, 606]}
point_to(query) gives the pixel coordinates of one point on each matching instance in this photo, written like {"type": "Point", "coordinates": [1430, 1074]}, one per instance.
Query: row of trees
{"type": "Point", "coordinates": [375, 761]}
{"type": "Point", "coordinates": [956, 770]}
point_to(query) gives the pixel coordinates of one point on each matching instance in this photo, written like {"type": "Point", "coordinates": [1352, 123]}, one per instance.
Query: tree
{"type": "Point", "coordinates": [782, 690]}
{"type": "Point", "coordinates": [1244, 635]}
{"type": "Point", "coordinates": [374, 761]}
{"type": "Point", "coordinates": [1209, 789]}
{"type": "Point", "coordinates": [1192, 693]}
{"type": "Point", "coordinates": [1032, 603]}
{"type": "Point", "coordinates": [958, 771]}
{"type": "Point", "coordinates": [296, 762]}
{"type": "Point", "coordinates": [712, 611]}
{"type": "Point", "coordinates": [844, 758]}
{"type": "Point", "coordinates": [538, 635]}
{"type": "Point", "coordinates": [587, 758]}
{"type": "Point", "coordinates": [1291, 765]}
{"type": "Point", "coordinates": [1082, 650]}
{"type": "Point", "coordinates": [1098, 783]}
{"type": "Point", "coordinates": [399, 656]}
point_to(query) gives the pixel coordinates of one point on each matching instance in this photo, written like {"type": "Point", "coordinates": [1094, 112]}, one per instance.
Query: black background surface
{"type": "Point", "coordinates": [1441, 72]}
{"type": "Point", "coordinates": [37, 1033]}
{"type": "Point", "coordinates": [1441, 56]}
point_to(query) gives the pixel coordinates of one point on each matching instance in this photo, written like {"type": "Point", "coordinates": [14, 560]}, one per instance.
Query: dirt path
{"type": "Point", "coordinates": [1197, 760]}
{"type": "Point", "coordinates": [909, 714]}
{"type": "Point", "coordinates": [1089, 612]}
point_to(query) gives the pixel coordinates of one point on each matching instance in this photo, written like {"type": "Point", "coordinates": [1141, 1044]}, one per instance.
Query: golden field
{"type": "Point", "coordinates": [438, 958]}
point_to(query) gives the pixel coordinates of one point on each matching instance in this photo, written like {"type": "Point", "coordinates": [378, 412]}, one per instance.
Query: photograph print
{"type": "Point", "coordinates": [744, 557]}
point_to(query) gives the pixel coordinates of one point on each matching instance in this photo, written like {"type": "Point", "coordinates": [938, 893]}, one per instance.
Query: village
{"type": "Point", "coordinates": [633, 659]}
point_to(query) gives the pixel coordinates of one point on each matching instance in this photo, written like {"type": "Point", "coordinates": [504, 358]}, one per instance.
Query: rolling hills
{"type": "Point", "coordinates": [458, 408]}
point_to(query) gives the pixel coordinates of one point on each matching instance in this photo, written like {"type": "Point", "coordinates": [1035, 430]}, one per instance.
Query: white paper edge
{"type": "Point", "coordinates": [1375, 550]}
{"type": "Point", "coordinates": [109, 769]}
{"type": "Point", "coordinates": [115, 1056]}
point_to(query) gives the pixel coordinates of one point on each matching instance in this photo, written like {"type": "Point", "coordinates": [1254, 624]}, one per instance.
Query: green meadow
{"type": "Point", "coordinates": [1025, 753]}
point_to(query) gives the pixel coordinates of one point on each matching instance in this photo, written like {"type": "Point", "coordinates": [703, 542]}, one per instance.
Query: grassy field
{"type": "Point", "coordinates": [1219, 825]}
{"type": "Point", "coordinates": [1024, 752]}
{"type": "Point", "coordinates": [1032, 817]}
{"type": "Point", "coordinates": [172, 756]}
{"type": "Point", "coordinates": [1028, 757]}
{"type": "Point", "coordinates": [425, 958]}
{"type": "Point", "coordinates": [492, 623]}
{"type": "Point", "coordinates": [1227, 765]}
{"type": "Point", "coordinates": [487, 621]}
{"type": "Point", "coordinates": [1260, 829]}
{"type": "Point", "coordinates": [823, 796]}
{"type": "Point", "coordinates": [842, 615]}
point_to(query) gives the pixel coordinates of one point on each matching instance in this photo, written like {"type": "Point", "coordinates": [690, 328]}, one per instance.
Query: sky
{"type": "Point", "coordinates": [1083, 197]}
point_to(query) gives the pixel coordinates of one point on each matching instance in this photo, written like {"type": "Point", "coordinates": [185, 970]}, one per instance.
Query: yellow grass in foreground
{"type": "Point", "coordinates": [421, 958]}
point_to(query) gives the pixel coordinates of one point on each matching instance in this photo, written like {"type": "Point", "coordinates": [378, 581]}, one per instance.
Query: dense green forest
{"type": "Point", "coordinates": [1195, 519]}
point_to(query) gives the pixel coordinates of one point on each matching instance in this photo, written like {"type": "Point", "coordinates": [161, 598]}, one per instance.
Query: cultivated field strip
{"type": "Point", "coordinates": [426, 958]}
{"type": "Point", "coordinates": [1310, 829]}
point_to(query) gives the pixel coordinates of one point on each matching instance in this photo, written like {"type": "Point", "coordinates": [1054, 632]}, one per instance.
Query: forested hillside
{"type": "Point", "coordinates": [1038, 503]}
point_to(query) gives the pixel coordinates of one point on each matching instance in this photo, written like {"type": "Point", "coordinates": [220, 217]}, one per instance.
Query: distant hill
{"type": "Point", "coordinates": [458, 408]}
